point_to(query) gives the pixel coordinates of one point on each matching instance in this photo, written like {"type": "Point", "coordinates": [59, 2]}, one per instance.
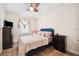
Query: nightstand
{"type": "Point", "coordinates": [60, 43]}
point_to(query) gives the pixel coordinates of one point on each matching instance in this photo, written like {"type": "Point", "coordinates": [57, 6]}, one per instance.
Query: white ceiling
{"type": "Point", "coordinates": [20, 8]}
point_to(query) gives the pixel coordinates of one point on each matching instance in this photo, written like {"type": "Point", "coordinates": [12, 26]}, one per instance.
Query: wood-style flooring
{"type": "Point", "coordinates": [53, 52]}
{"type": "Point", "coordinates": [46, 52]}
{"type": "Point", "coordinates": [50, 52]}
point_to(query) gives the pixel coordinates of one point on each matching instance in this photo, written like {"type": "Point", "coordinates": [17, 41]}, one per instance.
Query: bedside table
{"type": "Point", "coordinates": [60, 43]}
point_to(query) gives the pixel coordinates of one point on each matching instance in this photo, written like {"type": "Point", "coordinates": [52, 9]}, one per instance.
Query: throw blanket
{"type": "Point", "coordinates": [26, 43]}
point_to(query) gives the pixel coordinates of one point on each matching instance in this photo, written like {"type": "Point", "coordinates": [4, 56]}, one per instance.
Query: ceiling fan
{"type": "Point", "coordinates": [33, 7]}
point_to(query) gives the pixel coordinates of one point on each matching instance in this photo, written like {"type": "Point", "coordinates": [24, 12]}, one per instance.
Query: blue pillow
{"type": "Point", "coordinates": [47, 29]}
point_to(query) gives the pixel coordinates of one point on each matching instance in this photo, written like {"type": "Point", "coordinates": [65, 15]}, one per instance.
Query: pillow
{"type": "Point", "coordinates": [35, 32]}
{"type": "Point", "coordinates": [46, 34]}
{"type": "Point", "coordinates": [43, 33]}
{"type": "Point", "coordinates": [39, 33]}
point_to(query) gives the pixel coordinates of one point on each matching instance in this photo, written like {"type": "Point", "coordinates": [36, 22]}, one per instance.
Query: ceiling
{"type": "Point", "coordinates": [21, 8]}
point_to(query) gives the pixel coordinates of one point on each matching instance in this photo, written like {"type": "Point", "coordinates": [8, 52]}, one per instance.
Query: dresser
{"type": "Point", "coordinates": [7, 38]}
{"type": "Point", "coordinates": [60, 43]}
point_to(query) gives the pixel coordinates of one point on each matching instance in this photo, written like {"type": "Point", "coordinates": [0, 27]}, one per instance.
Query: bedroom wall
{"type": "Point", "coordinates": [64, 19]}
{"type": "Point", "coordinates": [2, 17]}
{"type": "Point", "coordinates": [33, 23]}
{"type": "Point", "coordinates": [15, 18]}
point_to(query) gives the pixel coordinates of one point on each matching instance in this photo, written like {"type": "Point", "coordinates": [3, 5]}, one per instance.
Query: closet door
{"type": "Point", "coordinates": [7, 38]}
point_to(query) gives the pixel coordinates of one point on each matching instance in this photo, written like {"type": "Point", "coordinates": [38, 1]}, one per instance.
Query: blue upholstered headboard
{"type": "Point", "coordinates": [47, 29]}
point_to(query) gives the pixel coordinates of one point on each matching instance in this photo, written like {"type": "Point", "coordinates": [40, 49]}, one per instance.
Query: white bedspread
{"type": "Point", "coordinates": [26, 43]}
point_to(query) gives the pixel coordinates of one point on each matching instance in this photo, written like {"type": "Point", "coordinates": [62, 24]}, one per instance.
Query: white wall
{"type": "Point", "coordinates": [64, 19]}
{"type": "Point", "coordinates": [33, 23]}
{"type": "Point", "coordinates": [2, 17]}
{"type": "Point", "coordinates": [13, 18]}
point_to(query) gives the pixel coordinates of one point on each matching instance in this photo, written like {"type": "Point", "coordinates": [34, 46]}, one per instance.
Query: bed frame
{"type": "Point", "coordinates": [35, 51]}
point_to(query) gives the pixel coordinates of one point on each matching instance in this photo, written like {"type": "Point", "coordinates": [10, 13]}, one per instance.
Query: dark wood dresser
{"type": "Point", "coordinates": [60, 43]}
{"type": "Point", "coordinates": [7, 37]}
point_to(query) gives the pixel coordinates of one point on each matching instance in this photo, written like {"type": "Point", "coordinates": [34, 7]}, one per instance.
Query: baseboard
{"type": "Point", "coordinates": [74, 52]}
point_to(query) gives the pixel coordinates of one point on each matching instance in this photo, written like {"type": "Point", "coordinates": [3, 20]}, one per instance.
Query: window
{"type": "Point", "coordinates": [24, 27]}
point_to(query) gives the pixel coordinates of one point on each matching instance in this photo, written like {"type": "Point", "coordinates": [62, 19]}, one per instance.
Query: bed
{"type": "Point", "coordinates": [26, 43]}
{"type": "Point", "coordinates": [30, 42]}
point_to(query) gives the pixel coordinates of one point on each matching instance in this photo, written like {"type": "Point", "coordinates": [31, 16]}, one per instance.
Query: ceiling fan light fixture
{"type": "Point", "coordinates": [31, 8]}
{"type": "Point", "coordinates": [35, 6]}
